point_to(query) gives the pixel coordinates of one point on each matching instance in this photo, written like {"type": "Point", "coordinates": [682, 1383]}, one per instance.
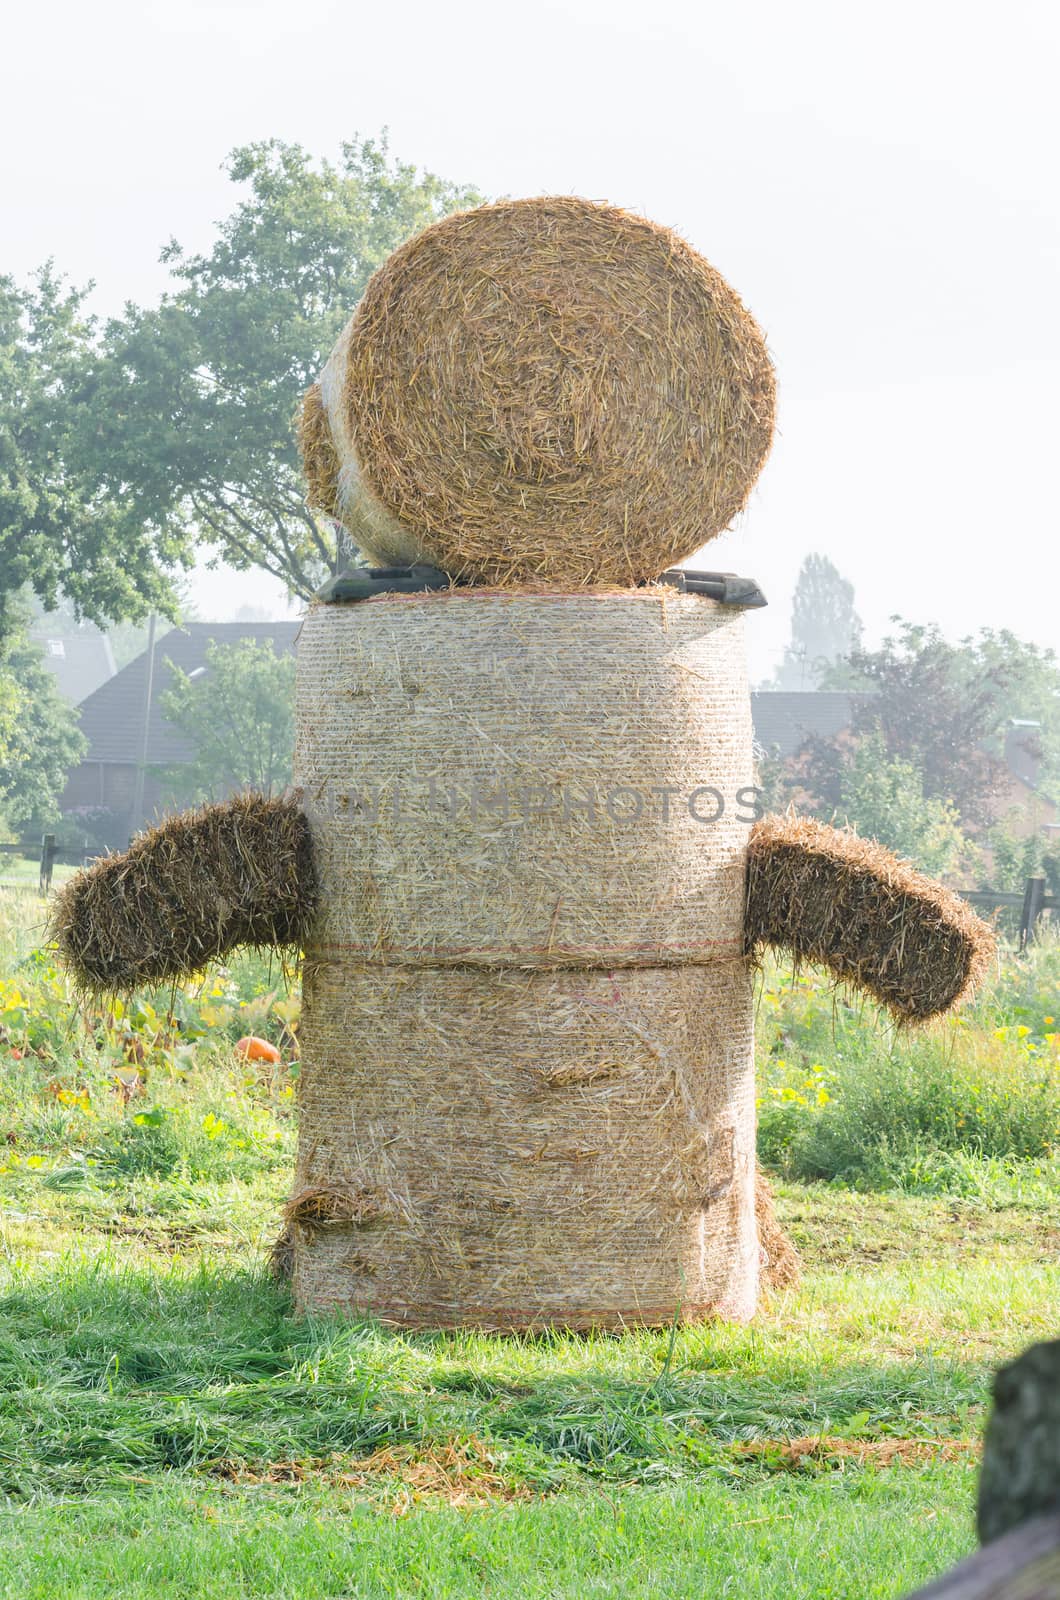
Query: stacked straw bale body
{"type": "Point", "coordinates": [527, 1083]}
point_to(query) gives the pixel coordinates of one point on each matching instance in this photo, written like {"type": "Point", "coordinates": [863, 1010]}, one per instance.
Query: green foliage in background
{"type": "Point", "coordinates": [968, 1106]}
{"type": "Point", "coordinates": [197, 395]}
{"type": "Point", "coordinates": [944, 709]}
{"type": "Point", "coordinates": [883, 798]}
{"type": "Point", "coordinates": [239, 715]}
{"type": "Point", "coordinates": [39, 737]}
{"type": "Point", "coordinates": [62, 530]}
{"type": "Point", "coordinates": [125, 449]}
{"type": "Point", "coordinates": [1016, 859]}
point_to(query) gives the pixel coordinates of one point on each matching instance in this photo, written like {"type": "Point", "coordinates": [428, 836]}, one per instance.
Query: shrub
{"type": "Point", "coordinates": [843, 1098]}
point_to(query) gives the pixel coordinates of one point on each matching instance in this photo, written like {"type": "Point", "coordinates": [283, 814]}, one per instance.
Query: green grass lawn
{"type": "Point", "coordinates": [166, 1421]}
{"type": "Point", "coordinates": [17, 872]}
{"type": "Point", "coordinates": [169, 1427]}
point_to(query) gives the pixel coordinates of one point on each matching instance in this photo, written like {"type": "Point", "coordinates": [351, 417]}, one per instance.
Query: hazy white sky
{"type": "Point", "coordinates": [878, 182]}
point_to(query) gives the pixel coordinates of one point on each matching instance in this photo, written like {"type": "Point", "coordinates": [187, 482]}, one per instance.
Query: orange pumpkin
{"type": "Point", "coordinates": [252, 1048]}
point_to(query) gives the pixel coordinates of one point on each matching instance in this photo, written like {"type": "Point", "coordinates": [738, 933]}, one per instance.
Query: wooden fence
{"type": "Point", "coordinates": [1031, 903]}
{"type": "Point", "coordinates": [50, 856]}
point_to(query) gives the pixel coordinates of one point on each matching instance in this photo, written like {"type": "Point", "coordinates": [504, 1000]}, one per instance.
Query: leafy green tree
{"type": "Point", "coordinates": [197, 395]}
{"type": "Point", "coordinates": [825, 627]}
{"type": "Point", "coordinates": [1015, 859]}
{"type": "Point", "coordinates": [883, 798]}
{"type": "Point", "coordinates": [61, 532]}
{"type": "Point", "coordinates": [240, 716]}
{"type": "Point", "coordinates": [944, 709]}
{"type": "Point", "coordinates": [1028, 688]}
{"type": "Point", "coordinates": [10, 706]}
{"type": "Point", "coordinates": [39, 737]}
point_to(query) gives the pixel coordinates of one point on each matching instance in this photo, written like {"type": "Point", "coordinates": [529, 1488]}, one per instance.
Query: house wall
{"type": "Point", "coordinates": [111, 784]}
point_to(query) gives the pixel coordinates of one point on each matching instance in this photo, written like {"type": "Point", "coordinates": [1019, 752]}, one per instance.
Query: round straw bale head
{"type": "Point", "coordinates": [541, 779]}
{"type": "Point", "coordinates": [548, 390]}
{"type": "Point", "coordinates": [514, 1150]}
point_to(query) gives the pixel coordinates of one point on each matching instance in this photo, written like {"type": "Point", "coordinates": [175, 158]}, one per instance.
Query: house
{"type": "Point", "coordinates": [112, 718]}
{"type": "Point", "coordinates": [79, 661]}
{"type": "Point", "coordinates": [784, 719]}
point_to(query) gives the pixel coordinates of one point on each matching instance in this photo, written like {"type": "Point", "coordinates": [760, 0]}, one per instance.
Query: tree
{"type": "Point", "coordinates": [883, 798]}
{"type": "Point", "coordinates": [943, 708]}
{"type": "Point", "coordinates": [824, 624]}
{"type": "Point", "coordinates": [1015, 859]}
{"type": "Point", "coordinates": [10, 706]}
{"type": "Point", "coordinates": [1027, 678]}
{"type": "Point", "coordinates": [60, 533]}
{"type": "Point", "coordinates": [240, 716]}
{"type": "Point", "coordinates": [197, 395]}
{"type": "Point", "coordinates": [39, 737]}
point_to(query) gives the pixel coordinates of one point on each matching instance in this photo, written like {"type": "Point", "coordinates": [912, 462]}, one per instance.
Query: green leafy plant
{"type": "Point", "coordinates": [239, 716]}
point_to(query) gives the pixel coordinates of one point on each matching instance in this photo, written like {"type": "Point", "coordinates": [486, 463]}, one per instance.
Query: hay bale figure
{"type": "Point", "coordinates": [519, 857]}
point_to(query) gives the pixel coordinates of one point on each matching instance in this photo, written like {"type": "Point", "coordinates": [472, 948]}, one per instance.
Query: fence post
{"type": "Point", "coordinates": [1033, 895]}
{"type": "Point", "coordinates": [47, 861]}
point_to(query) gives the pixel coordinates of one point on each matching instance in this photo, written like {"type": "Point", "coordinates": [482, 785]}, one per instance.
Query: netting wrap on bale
{"type": "Point", "coordinates": [512, 1150]}
{"type": "Point", "coordinates": [540, 780]}
{"type": "Point", "coordinates": [542, 390]}
{"type": "Point", "coordinates": [527, 1065]}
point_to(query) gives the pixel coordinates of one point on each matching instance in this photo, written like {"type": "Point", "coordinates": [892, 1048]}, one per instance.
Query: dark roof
{"type": "Point", "coordinates": [80, 661]}
{"type": "Point", "coordinates": [112, 717]}
{"type": "Point", "coordinates": [783, 719]}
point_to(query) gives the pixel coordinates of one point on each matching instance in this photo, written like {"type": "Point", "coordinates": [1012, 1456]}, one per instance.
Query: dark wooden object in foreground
{"type": "Point", "coordinates": [1019, 1490]}
{"type": "Point", "coordinates": [1024, 1565]}
{"type": "Point", "coordinates": [1021, 1452]}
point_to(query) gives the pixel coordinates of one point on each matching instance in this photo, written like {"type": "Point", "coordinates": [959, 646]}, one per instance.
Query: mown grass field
{"type": "Point", "coordinates": [168, 1427]}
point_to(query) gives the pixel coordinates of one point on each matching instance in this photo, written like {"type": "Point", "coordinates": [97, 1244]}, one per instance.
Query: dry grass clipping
{"type": "Point", "coordinates": [324, 1203]}
{"type": "Point", "coordinates": [186, 893]}
{"type": "Point", "coordinates": [814, 1453]}
{"type": "Point", "coordinates": [462, 1472]}
{"type": "Point", "coordinates": [549, 390]}
{"type": "Point", "coordinates": [832, 898]}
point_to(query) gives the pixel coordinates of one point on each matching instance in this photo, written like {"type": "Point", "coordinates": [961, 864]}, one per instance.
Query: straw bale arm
{"type": "Point", "coordinates": [846, 903]}
{"type": "Point", "coordinates": [187, 892]}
